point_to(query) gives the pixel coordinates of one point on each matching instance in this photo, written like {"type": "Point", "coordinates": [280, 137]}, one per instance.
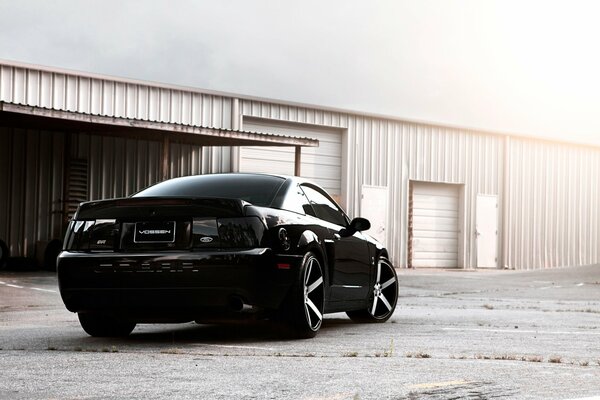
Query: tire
{"type": "Point", "coordinates": [383, 298]}
{"type": "Point", "coordinates": [3, 254]}
{"type": "Point", "coordinates": [51, 253]}
{"type": "Point", "coordinates": [307, 296]}
{"type": "Point", "coordinates": [99, 325]}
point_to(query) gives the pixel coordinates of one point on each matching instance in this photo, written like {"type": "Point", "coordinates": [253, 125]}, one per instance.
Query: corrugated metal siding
{"type": "Point", "coordinates": [120, 167]}
{"type": "Point", "coordinates": [31, 176]}
{"type": "Point", "coordinates": [67, 92]}
{"type": "Point", "coordinates": [553, 199]}
{"type": "Point", "coordinates": [393, 153]}
{"type": "Point", "coordinates": [549, 211]}
{"type": "Point", "coordinates": [541, 230]}
{"type": "Point", "coordinates": [187, 159]}
{"type": "Point", "coordinates": [31, 173]}
{"type": "Point", "coordinates": [390, 153]}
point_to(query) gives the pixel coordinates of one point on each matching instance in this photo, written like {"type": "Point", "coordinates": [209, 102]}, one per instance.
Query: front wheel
{"type": "Point", "coordinates": [307, 298]}
{"type": "Point", "coordinates": [100, 325]}
{"type": "Point", "coordinates": [383, 297]}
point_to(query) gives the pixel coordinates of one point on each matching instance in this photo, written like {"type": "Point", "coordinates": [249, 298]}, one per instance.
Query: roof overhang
{"type": "Point", "coordinates": [49, 119]}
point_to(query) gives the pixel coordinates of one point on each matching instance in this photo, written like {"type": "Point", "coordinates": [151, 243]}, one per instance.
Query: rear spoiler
{"type": "Point", "coordinates": [152, 207]}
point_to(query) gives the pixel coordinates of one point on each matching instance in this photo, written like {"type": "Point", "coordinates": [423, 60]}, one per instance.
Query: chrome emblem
{"type": "Point", "coordinates": [206, 239]}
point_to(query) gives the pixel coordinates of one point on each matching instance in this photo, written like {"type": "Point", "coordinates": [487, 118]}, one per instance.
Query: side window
{"type": "Point", "coordinates": [324, 208]}
{"type": "Point", "coordinates": [296, 201]}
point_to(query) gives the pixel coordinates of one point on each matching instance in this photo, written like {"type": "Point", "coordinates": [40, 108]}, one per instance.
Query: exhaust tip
{"type": "Point", "coordinates": [236, 303]}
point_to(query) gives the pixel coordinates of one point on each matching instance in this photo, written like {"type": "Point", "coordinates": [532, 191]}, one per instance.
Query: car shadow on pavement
{"type": "Point", "coordinates": [227, 333]}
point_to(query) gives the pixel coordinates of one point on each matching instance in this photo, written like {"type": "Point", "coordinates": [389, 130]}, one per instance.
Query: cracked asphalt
{"type": "Point", "coordinates": [454, 335]}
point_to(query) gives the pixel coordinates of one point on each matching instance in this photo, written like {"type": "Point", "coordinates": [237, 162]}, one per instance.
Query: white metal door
{"type": "Point", "coordinates": [435, 211]}
{"type": "Point", "coordinates": [374, 206]}
{"type": "Point", "coordinates": [486, 231]}
{"type": "Point", "coordinates": [322, 164]}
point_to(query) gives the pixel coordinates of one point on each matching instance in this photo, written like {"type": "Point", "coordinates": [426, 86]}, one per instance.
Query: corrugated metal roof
{"type": "Point", "coordinates": [230, 136]}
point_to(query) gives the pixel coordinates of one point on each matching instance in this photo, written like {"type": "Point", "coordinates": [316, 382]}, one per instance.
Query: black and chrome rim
{"type": "Point", "coordinates": [385, 291]}
{"type": "Point", "coordinates": [313, 293]}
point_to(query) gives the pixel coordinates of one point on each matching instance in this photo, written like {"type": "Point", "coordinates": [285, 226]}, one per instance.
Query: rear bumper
{"type": "Point", "coordinates": [177, 284]}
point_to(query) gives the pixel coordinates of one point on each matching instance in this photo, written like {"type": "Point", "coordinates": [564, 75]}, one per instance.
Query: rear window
{"type": "Point", "coordinates": [256, 189]}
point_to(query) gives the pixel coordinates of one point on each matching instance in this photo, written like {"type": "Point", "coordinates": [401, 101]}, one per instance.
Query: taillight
{"type": "Point", "coordinates": [99, 234]}
{"type": "Point", "coordinates": [241, 232]}
{"type": "Point", "coordinates": [205, 233]}
{"type": "Point", "coordinates": [246, 232]}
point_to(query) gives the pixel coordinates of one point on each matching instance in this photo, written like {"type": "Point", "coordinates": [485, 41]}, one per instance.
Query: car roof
{"type": "Point", "coordinates": [297, 179]}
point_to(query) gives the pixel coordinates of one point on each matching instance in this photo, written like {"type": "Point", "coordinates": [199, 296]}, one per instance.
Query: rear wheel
{"type": "Point", "coordinates": [100, 325]}
{"type": "Point", "coordinates": [383, 297]}
{"type": "Point", "coordinates": [307, 298]}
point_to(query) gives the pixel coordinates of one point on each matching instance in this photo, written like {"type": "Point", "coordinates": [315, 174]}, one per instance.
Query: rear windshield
{"type": "Point", "coordinates": [256, 189]}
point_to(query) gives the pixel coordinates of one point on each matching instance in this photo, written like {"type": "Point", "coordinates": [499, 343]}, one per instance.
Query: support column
{"type": "Point", "coordinates": [166, 157]}
{"type": "Point", "coordinates": [236, 124]}
{"type": "Point", "coordinates": [297, 161]}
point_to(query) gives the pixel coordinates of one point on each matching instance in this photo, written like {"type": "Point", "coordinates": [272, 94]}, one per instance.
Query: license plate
{"type": "Point", "coordinates": [154, 232]}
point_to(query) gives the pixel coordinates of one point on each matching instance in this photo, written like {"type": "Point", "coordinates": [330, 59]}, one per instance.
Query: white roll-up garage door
{"type": "Point", "coordinates": [435, 213]}
{"type": "Point", "coordinates": [322, 164]}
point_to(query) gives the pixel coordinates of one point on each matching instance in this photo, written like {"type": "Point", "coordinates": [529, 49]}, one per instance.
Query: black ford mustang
{"type": "Point", "coordinates": [207, 246]}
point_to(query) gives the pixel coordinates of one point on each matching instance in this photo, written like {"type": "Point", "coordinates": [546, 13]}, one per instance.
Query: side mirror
{"type": "Point", "coordinates": [360, 224]}
{"type": "Point", "coordinates": [356, 225]}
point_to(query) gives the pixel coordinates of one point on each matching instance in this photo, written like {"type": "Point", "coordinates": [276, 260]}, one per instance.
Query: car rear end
{"type": "Point", "coordinates": [168, 259]}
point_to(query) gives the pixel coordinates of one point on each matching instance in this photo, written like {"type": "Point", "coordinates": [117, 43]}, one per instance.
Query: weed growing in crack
{"type": "Point", "coordinates": [419, 354]}
{"type": "Point", "coordinates": [390, 351]}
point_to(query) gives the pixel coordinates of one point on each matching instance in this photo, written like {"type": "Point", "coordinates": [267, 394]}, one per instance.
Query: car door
{"type": "Point", "coordinates": [349, 275]}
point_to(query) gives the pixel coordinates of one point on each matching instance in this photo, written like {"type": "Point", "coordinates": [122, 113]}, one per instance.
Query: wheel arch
{"type": "Point", "coordinates": [309, 241]}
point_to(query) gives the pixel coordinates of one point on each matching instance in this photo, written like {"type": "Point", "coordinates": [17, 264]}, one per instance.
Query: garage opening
{"type": "Point", "coordinates": [322, 164]}
{"type": "Point", "coordinates": [434, 210]}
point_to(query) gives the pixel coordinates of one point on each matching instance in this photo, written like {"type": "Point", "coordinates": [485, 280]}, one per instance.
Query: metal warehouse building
{"type": "Point", "coordinates": [437, 196]}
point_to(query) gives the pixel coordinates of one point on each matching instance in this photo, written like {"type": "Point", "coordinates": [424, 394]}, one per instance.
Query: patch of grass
{"type": "Point", "coordinates": [351, 354]}
{"type": "Point", "coordinates": [113, 349]}
{"type": "Point", "coordinates": [418, 354]}
{"type": "Point", "coordinates": [505, 357]}
{"type": "Point", "coordinates": [584, 363]}
{"type": "Point", "coordinates": [510, 357]}
{"type": "Point", "coordinates": [172, 351]}
{"type": "Point", "coordinates": [488, 306]}
{"type": "Point", "coordinates": [390, 351]}
{"type": "Point", "coordinates": [534, 358]}
{"type": "Point", "coordinates": [555, 360]}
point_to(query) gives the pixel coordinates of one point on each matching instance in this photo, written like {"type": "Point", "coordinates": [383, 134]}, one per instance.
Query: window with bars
{"type": "Point", "coordinates": [77, 185]}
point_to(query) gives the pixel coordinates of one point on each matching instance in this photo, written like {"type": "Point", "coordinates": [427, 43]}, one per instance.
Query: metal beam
{"type": "Point", "coordinates": [298, 161]}
{"type": "Point", "coordinates": [166, 157]}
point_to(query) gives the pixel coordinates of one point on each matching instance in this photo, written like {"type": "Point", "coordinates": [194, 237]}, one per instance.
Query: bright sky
{"type": "Point", "coordinates": [524, 66]}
